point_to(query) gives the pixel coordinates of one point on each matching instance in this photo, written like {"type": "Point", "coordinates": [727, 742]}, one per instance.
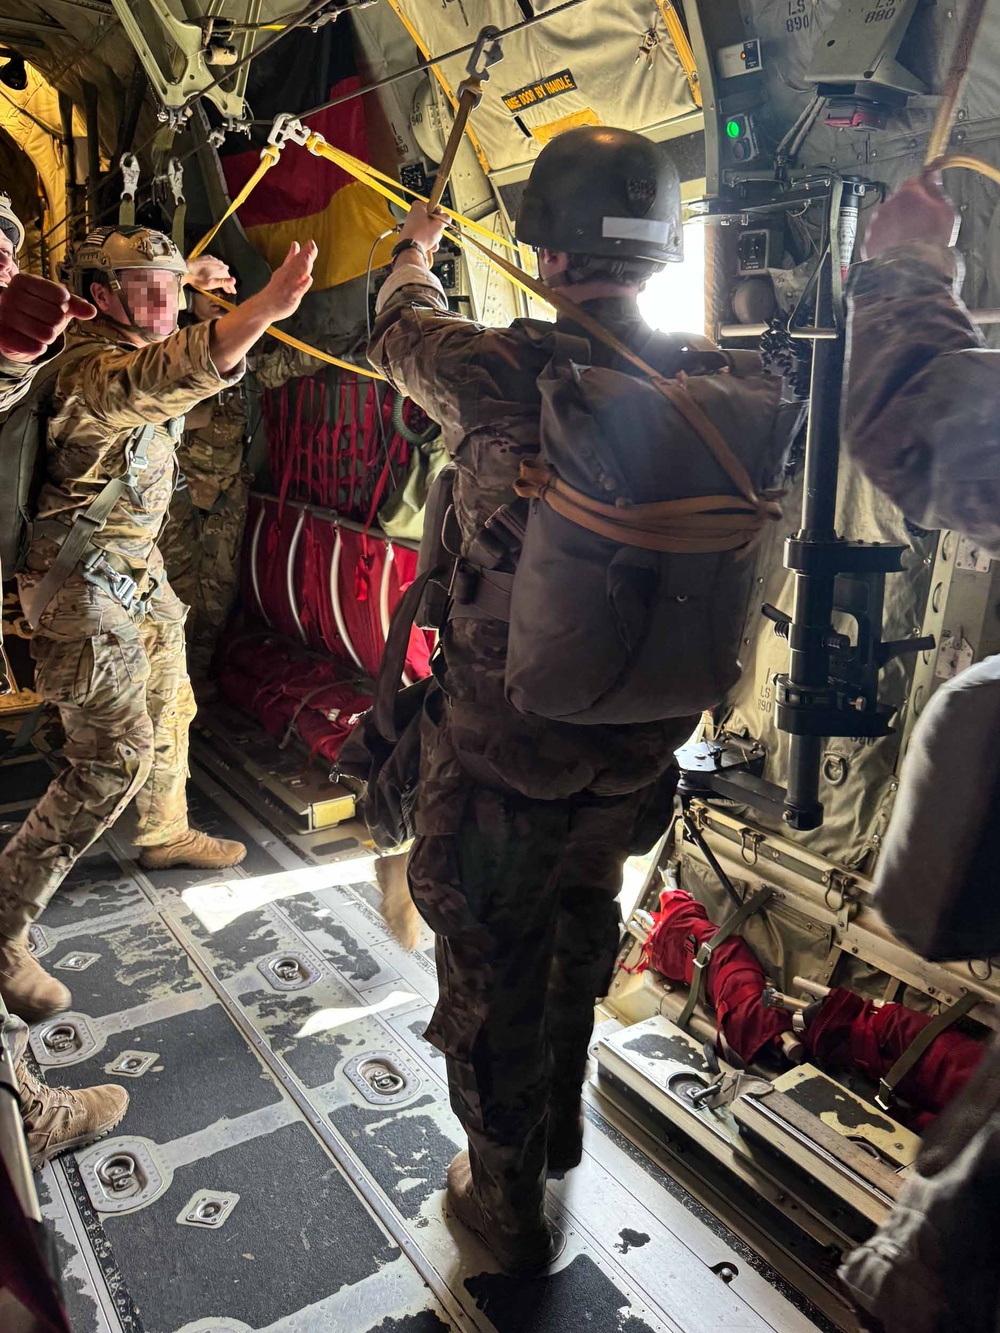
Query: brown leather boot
{"type": "Point", "coordinates": [27, 989]}
{"type": "Point", "coordinates": [194, 849]}
{"type": "Point", "coordinates": [58, 1119]}
{"type": "Point", "coordinates": [519, 1253]}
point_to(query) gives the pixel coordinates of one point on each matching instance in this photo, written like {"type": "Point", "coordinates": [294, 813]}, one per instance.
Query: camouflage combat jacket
{"type": "Point", "coordinates": [922, 396]}
{"type": "Point", "coordinates": [99, 401]}
{"type": "Point", "coordinates": [480, 384]}
{"type": "Point", "coordinates": [16, 376]}
{"type": "Point", "coordinates": [210, 457]}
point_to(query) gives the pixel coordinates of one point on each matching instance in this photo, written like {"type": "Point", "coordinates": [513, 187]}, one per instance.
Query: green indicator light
{"type": "Point", "coordinates": [733, 129]}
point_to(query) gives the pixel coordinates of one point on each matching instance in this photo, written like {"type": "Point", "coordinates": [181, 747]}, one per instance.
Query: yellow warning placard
{"type": "Point", "coordinates": [534, 93]}
{"type": "Point", "coordinates": [556, 127]}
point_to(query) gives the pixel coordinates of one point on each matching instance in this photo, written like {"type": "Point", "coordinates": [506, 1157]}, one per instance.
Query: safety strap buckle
{"type": "Point", "coordinates": [886, 1095]}
{"type": "Point", "coordinates": [99, 571]}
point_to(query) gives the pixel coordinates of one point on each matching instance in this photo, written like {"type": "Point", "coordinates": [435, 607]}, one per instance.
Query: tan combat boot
{"type": "Point", "coordinates": [58, 1119]}
{"type": "Point", "coordinates": [519, 1253]}
{"type": "Point", "coordinates": [197, 850]}
{"type": "Point", "coordinates": [27, 989]}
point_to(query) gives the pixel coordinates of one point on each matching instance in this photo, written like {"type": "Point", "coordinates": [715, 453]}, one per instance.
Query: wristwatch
{"type": "Point", "coordinates": [409, 244]}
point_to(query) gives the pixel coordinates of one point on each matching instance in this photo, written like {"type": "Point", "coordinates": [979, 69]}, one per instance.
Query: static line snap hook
{"type": "Point", "coordinates": [286, 127]}
{"type": "Point", "coordinates": [175, 179]}
{"type": "Point", "coordinates": [130, 175]}
{"type": "Point", "coordinates": [486, 52]}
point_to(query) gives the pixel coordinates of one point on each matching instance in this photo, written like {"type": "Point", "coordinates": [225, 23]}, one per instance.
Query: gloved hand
{"type": "Point", "coordinates": [33, 313]}
{"type": "Point", "coordinates": [919, 211]}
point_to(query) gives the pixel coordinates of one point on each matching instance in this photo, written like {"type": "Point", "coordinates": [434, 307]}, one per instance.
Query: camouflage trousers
{"type": "Point", "coordinates": [126, 705]}
{"type": "Point", "coordinates": [523, 902]}
{"type": "Point", "coordinates": [201, 551]}
{"type": "Point", "coordinates": [15, 1037]}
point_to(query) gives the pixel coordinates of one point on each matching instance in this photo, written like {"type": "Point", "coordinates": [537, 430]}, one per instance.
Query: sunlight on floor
{"type": "Point", "coordinates": [220, 904]}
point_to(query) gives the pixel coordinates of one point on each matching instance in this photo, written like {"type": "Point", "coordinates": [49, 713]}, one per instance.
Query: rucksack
{"type": "Point", "coordinates": [22, 461]}
{"type": "Point", "coordinates": [23, 438]}
{"type": "Point", "coordinates": [623, 609]}
{"type": "Point", "coordinates": [622, 571]}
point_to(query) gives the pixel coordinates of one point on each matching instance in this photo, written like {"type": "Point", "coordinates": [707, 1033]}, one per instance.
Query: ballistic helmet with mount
{"type": "Point", "coordinates": [109, 251]}
{"type": "Point", "coordinates": [11, 225]}
{"type": "Point", "coordinates": [599, 191]}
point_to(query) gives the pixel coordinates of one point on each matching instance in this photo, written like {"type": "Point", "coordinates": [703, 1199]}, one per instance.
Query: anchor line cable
{"type": "Point", "coordinates": [422, 65]}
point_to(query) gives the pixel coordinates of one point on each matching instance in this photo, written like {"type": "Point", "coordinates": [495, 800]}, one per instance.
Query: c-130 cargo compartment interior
{"type": "Point", "coordinates": [769, 1054]}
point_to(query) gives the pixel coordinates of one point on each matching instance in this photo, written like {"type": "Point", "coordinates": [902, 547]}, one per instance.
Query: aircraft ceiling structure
{"type": "Point", "coordinates": [583, 66]}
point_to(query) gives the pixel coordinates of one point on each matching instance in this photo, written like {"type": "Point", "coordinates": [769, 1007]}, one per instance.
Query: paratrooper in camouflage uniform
{"type": "Point", "coordinates": [109, 636]}
{"type": "Point", "coordinates": [523, 824]}
{"type": "Point", "coordinates": [33, 315]}
{"type": "Point", "coordinates": [921, 419]}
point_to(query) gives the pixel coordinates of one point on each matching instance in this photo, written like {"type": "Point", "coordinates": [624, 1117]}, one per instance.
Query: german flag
{"type": "Point", "coordinates": [305, 197]}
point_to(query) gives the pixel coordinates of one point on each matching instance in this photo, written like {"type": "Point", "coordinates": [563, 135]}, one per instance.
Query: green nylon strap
{"type": "Point", "coordinates": [80, 539]}
{"type": "Point", "coordinates": [888, 1085]}
{"type": "Point", "coordinates": [730, 926]}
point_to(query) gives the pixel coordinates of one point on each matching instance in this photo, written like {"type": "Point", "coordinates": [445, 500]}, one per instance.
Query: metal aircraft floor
{"type": "Point", "coordinates": [289, 1130]}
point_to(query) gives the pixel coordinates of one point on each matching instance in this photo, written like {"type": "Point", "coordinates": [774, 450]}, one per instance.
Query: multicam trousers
{"type": "Point", "coordinates": [523, 902]}
{"type": "Point", "coordinates": [201, 551]}
{"type": "Point", "coordinates": [126, 705]}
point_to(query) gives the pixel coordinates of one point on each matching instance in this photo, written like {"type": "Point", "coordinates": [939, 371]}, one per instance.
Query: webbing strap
{"type": "Point", "coordinates": [299, 346]}
{"type": "Point", "coordinates": [269, 156]}
{"type": "Point", "coordinates": [730, 926]}
{"type": "Point", "coordinates": [698, 525]}
{"type": "Point", "coordinates": [917, 1047]}
{"type": "Point", "coordinates": [489, 601]}
{"type": "Point", "coordinates": [80, 538]}
{"type": "Point", "coordinates": [397, 644]}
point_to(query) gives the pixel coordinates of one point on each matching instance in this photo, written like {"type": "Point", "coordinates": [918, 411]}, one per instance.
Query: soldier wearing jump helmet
{"type": "Point", "coordinates": [108, 629]}
{"type": "Point", "coordinates": [523, 824]}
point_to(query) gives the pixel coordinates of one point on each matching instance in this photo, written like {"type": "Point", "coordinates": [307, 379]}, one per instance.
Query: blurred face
{"type": "Point", "coordinates": [152, 296]}
{"type": "Point", "coordinates": [8, 264]}
{"type": "Point", "coordinates": [203, 307]}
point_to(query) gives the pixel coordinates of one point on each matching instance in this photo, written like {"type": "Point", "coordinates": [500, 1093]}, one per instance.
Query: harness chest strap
{"type": "Point", "coordinates": [79, 542]}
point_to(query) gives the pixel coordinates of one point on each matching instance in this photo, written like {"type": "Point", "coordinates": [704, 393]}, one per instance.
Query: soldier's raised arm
{"type": "Point", "coordinates": [922, 396]}
{"type": "Point", "coordinates": [420, 345]}
{"type": "Point", "coordinates": [131, 385]}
